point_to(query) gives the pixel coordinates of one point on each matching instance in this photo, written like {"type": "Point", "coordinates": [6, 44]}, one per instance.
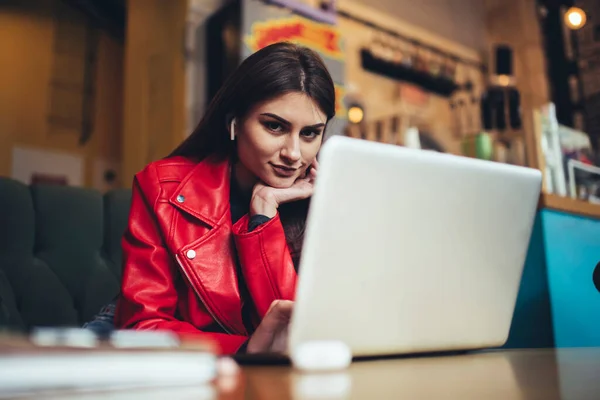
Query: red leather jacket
{"type": "Point", "coordinates": [179, 250]}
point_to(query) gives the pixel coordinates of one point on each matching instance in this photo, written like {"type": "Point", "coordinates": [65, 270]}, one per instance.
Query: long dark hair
{"type": "Point", "coordinates": [269, 73]}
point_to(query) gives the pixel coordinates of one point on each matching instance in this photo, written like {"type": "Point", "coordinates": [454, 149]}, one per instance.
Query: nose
{"type": "Point", "coordinates": [291, 149]}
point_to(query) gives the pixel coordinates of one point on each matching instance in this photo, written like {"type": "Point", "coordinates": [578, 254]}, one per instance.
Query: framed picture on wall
{"type": "Point", "coordinates": [34, 166]}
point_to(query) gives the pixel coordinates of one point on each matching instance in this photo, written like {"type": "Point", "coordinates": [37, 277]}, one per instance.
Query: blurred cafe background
{"type": "Point", "coordinates": [93, 90]}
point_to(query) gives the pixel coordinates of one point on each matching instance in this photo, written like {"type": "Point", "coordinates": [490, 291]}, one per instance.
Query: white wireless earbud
{"type": "Point", "coordinates": [232, 130]}
{"type": "Point", "coordinates": [321, 355]}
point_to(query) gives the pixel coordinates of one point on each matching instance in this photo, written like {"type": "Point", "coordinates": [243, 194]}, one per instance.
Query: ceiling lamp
{"type": "Point", "coordinates": [575, 18]}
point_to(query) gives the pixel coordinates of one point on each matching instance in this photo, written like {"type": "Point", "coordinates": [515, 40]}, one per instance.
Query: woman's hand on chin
{"type": "Point", "coordinates": [266, 199]}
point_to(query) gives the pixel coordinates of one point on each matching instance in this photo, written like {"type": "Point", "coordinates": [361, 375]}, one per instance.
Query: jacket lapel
{"type": "Point", "coordinates": [204, 194]}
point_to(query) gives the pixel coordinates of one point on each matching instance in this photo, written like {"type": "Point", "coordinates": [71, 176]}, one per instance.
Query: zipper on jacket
{"type": "Point", "coordinates": [200, 297]}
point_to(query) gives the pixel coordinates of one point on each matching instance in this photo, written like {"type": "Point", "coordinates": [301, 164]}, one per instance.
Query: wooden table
{"type": "Point", "coordinates": [520, 374]}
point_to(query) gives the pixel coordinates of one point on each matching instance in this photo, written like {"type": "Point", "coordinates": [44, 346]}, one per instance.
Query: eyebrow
{"type": "Point", "coordinates": [283, 121]}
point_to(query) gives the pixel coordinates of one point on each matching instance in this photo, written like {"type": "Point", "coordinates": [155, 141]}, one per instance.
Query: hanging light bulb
{"type": "Point", "coordinates": [575, 18]}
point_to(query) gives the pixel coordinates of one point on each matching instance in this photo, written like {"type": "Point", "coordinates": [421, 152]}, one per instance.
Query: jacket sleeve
{"type": "Point", "coordinates": [265, 261]}
{"type": "Point", "coordinates": [149, 297]}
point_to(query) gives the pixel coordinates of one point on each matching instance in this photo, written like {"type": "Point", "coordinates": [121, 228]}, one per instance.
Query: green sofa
{"type": "Point", "coordinates": [60, 253]}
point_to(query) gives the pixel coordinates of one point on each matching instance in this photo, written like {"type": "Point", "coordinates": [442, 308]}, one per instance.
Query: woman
{"type": "Point", "coordinates": [215, 229]}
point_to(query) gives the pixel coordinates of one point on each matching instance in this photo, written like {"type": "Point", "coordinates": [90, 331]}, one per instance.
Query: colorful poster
{"type": "Point", "coordinates": [264, 24]}
{"type": "Point", "coordinates": [325, 39]}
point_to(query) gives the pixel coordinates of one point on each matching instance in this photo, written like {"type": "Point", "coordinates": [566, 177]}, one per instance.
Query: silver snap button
{"type": "Point", "coordinates": [191, 254]}
{"type": "Point", "coordinates": [180, 198]}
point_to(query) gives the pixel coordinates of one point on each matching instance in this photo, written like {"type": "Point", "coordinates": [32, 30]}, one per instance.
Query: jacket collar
{"type": "Point", "coordinates": [204, 191]}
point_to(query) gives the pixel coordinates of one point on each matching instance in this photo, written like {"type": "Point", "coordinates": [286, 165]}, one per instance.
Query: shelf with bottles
{"type": "Point", "coordinates": [405, 59]}
{"type": "Point", "coordinates": [382, 130]}
{"type": "Point", "coordinates": [505, 147]}
{"type": "Point", "coordinates": [413, 130]}
{"type": "Point", "coordinates": [406, 67]}
{"type": "Point", "coordinates": [397, 129]}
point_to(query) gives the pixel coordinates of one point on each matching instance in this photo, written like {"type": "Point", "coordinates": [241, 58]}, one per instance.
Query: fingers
{"type": "Point", "coordinates": [284, 305]}
{"type": "Point", "coordinates": [258, 186]}
{"type": "Point", "coordinates": [273, 304]}
{"type": "Point", "coordinates": [313, 170]}
{"type": "Point", "coordinates": [272, 326]}
{"type": "Point", "coordinates": [280, 311]}
{"type": "Point", "coordinates": [302, 189]}
{"type": "Point", "coordinates": [315, 164]}
{"type": "Point", "coordinates": [280, 340]}
{"type": "Point", "coordinates": [281, 306]}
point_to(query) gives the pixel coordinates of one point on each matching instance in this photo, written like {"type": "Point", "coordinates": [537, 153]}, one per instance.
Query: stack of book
{"type": "Point", "coordinates": [60, 362]}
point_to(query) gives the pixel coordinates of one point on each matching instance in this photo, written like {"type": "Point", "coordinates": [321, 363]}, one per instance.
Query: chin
{"type": "Point", "coordinates": [280, 182]}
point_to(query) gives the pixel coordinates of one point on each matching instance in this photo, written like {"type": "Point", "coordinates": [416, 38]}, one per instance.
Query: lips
{"type": "Point", "coordinates": [284, 171]}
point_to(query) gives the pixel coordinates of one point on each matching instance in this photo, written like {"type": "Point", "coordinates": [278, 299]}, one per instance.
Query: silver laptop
{"type": "Point", "coordinates": [410, 251]}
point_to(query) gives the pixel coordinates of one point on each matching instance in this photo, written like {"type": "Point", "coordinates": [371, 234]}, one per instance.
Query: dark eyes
{"type": "Point", "coordinates": [273, 126]}
{"type": "Point", "coordinates": [310, 133]}
{"type": "Point", "coordinates": [277, 127]}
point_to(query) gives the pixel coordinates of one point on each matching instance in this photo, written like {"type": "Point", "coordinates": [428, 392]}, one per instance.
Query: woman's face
{"type": "Point", "coordinates": [279, 139]}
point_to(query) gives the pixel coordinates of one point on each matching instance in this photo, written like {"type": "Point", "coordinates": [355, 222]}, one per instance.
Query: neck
{"type": "Point", "coordinates": [244, 179]}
